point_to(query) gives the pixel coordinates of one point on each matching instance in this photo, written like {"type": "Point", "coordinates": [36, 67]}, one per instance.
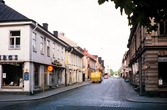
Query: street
{"type": "Point", "coordinates": [95, 96]}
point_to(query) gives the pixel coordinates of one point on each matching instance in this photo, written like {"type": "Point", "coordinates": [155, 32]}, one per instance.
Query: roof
{"type": "Point", "coordinates": [9, 14]}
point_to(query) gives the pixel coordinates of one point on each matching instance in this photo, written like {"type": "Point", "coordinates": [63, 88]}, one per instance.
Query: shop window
{"type": "Point", "coordinates": [36, 74]}
{"type": "Point", "coordinates": [12, 74]}
{"type": "Point", "coordinates": [162, 72]}
{"type": "Point", "coordinates": [51, 78]}
{"type": "Point", "coordinates": [14, 42]}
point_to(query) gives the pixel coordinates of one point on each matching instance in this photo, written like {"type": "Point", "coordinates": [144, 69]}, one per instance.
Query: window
{"type": "Point", "coordinates": [36, 74]}
{"type": "Point", "coordinates": [58, 52]}
{"type": "Point", "coordinates": [34, 41]}
{"type": "Point", "coordinates": [42, 45]}
{"type": "Point", "coordinates": [62, 53]}
{"type": "Point", "coordinates": [12, 74]}
{"type": "Point", "coordinates": [162, 62]}
{"type": "Point", "coordinates": [53, 50]}
{"type": "Point", "coordinates": [14, 40]}
{"type": "Point", "coordinates": [163, 28]}
{"type": "Point", "coordinates": [48, 48]}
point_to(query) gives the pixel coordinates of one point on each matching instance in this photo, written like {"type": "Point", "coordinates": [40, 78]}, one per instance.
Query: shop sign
{"type": "Point", "coordinates": [26, 76]}
{"type": "Point", "coordinates": [50, 68]}
{"type": "Point", "coordinates": [57, 63]}
{"type": "Point", "coordinates": [8, 57]}
{"type": "Point", "coordinates": [128, 69]}
{"type": "Point", "coordinates": [162, 59]}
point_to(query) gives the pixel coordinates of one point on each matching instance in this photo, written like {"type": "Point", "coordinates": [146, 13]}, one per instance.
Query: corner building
{"type": "Point", "coordinates": [26, 50]}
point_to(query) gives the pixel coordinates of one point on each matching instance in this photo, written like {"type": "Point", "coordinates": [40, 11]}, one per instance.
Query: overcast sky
{"type": "Point", "coordinates": [99, 28]}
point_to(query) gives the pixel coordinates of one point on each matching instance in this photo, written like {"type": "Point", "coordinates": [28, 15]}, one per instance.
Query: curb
{"type": "Point", "coordinates": [130, 99]}
{"type": "Point", "coordinates": [40, 96]}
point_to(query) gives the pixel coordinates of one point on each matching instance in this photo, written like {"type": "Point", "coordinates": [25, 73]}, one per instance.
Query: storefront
{"type": "Point", "coordinates": [11, 75]}
{"type": "Point", "coordinates": [162, 64]}
{"type": "Point", "coordinates": [59, 76]}
{"type": "Point", "coordinates": [72, 75]}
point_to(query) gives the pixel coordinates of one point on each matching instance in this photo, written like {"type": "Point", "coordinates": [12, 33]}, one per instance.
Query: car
{"type": "Point", "coordinates": [105, 76]}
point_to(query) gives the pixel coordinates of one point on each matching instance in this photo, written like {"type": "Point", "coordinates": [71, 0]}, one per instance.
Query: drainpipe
{"type": "Point", "coordinates": [31, 85]}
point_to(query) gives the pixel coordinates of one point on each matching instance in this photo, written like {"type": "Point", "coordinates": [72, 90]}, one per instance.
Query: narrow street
{"type": "Point", "coordinates": [95, 96]}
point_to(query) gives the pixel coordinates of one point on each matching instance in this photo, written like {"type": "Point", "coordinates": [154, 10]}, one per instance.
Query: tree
{"type": "Point", "coordinates": [111, 72]}
{"type": "Point", "coordinates": [141, 11]}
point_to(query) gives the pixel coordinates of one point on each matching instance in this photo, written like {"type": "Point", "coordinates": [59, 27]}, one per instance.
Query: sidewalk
{"type": "Point", "coordinates": [133, 96]}
{"type": "Point", "coordinates": [130, 93]}
{"type": "Point", "coordinates": [10, 98]}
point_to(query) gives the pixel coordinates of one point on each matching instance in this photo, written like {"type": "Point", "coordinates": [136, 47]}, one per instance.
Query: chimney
{"type": "Point", "coordinates": [62, 33]}
{"type": "Point", "coordinates": [55, 33]}
{"type": "Point", "coordinates": [2, 1]}
{"type": "Point", "coordinates": [45, 25]}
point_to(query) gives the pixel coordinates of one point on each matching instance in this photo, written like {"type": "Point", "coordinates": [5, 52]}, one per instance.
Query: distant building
{"type": "Point", "coordinates": [74, 59]}
{"type": "Point", "coordinates": [90, 62]}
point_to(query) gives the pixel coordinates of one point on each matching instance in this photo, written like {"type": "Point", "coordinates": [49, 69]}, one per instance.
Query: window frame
{"type": "Point", "coordinates": [53, 50]}
{"type": "Point", "coordinates": [62, 58]}
{"type": "Point", "coordinates": [58, 52]}
{"type": "Point", "coordinates": [42, 45]}
{"type": "Point", "coordinates": [48, 47]}
{"type": "Point", "coordinates": [34, 37]}
{"type": "Point", "coordinates": [14, 46]}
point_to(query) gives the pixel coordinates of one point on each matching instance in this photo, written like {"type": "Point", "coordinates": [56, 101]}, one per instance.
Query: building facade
{"type": "Point", "coordinates": [99, 66]}
{"type": "Point", "coordinates": [148, 58]}
{"type": "Point", "coordinates": [74, 57]}
{"type": "Point", "coordinates": [31, 58]}
{"type": "Point", "coordinates": [90, 62]}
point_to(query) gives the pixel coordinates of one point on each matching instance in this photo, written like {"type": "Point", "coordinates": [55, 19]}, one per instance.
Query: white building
{"type": "Point", "coordinates": [26, 51]}
{"type": "Point", "coordinates": [74, 61]}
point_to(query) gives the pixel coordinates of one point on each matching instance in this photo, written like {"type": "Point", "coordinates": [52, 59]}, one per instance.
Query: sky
{"type": "Point", "coordinates": [101, 29]}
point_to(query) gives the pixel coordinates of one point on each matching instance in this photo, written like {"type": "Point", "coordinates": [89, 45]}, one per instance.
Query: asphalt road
{"type": "Point", "coordinates": [107, 95]}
